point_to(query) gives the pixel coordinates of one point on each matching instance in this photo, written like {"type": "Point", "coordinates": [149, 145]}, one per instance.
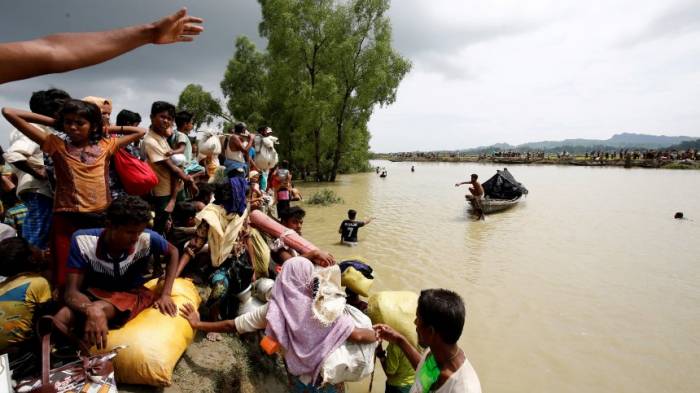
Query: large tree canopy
{"type": "Point", "coordinates": [327, 65]}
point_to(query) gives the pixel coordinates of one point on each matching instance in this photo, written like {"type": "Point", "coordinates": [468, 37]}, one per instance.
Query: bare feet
{"type": "Point", "coordinates": [213, 336]}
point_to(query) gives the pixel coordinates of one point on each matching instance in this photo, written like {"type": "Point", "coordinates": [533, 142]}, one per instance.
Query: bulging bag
{"type": "Point", "coordinates": [396, 309]}
{"type": "Point", "coordinates": [351, 361]}
{"type": "Point", "coordinates": [136, 176]}
{"type": "Point", "coordinates": [154, 342]}
{"type": "Point", "coordinates": [209, 143]}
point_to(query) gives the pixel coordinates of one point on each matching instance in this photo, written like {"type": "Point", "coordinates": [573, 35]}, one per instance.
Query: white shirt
{"type": "Point", "coordinates": [24, 149]}
{"type": "Point", "coordinates": [464, 380]}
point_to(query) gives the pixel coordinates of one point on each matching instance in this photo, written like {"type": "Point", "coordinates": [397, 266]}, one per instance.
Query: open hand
{"type": "Point", "coordinates": [96, 327]}
{"type": "Point", "coordinates": [178, 27]}
{"type": "Point", "coordinates": [166, 306]}
{"type": "Point", "coordinates": [190, 314]}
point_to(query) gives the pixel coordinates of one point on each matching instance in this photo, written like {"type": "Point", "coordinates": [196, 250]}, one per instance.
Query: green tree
{"type": "Point", "coordinates": [367, 70]}
{"type": "Point", "coordinates": [202, 104]}
{"type": "Point", "coordinates": [244, 83]}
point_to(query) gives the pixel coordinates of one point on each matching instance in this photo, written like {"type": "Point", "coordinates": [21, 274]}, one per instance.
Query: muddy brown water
{"type": "Point", "coordinates": [588, 285]}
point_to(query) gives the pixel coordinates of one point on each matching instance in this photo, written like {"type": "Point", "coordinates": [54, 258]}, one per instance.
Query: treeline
{"type": "Point", "coordinates": [327, 65]}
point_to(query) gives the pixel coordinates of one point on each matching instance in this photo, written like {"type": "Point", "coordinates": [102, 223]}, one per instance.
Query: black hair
{"type": "Point", "coordinates": [183, 212]}
{"type": "Point", "coordinates": [127, 118]}
{"type": "Point", "coordinates": [475, 176]}
{"type": "Point", "coordinates": [261, 129]}
{"type": "Point", "coordinates": [88, 111]}
{"type": "Point", "coordinates": [128, 210]}
{"type": "Point", "coordinates": [48, 102]}
{"type": "Point", "coordinates": [17, 257]}
{"type": "Point", "coordinates": [352, 214]}
{"type": "Point", "coordinates": [162, 106]}
{"type": "Point", "coordinates": [284, 164]}
{"type": "Point", "coordinates": [444, 311]}
{"type": "Point", "coordinates": [222, 192]}
{"type": "Point", "coordinates": [182, 118]}
{"type": "Point", "coordinates": [293, 212]}
{"type": "Point", "coordinates": [206, 190]}
{"type": "Point", "coordinates": [239, 127]}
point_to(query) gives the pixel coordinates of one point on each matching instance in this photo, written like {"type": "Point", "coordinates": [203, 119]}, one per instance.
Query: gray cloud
{"type": "Point", "coordinates": [677, 20]}
{"type": "Point", "coordinates": [149, 73]}
{"type": "Point", "coordinates": [430, 40]}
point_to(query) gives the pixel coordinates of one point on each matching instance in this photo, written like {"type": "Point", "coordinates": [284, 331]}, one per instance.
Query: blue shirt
{"type": "Point", "coordinates": [88, 255]}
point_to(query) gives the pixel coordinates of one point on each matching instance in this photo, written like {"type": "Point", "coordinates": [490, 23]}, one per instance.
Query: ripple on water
{"type": "Point", "coordinates": [587, 285]}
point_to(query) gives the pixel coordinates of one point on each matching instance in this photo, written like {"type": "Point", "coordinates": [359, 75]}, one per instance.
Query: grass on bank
{"type": "Point", "coordinates": [325, 197]}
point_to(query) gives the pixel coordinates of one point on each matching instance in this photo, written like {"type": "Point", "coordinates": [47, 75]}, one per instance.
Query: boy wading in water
{"type": "Point", "coordinates": [349, 228]}
{"type": "Point", "coordinates": [477, 193]}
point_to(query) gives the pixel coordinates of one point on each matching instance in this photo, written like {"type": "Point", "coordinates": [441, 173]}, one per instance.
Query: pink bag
{"type": "Point", "coordinates": [136, 176]}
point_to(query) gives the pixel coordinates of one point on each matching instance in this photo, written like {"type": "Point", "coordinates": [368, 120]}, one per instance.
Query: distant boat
{"type": "Point", "coordinates": [383, 174]}
{"type": "Point", "coordinates": [501, 192]}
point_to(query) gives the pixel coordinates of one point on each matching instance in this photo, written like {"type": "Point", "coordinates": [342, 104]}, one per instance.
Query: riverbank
{"type": "Point", "coordinates": [575, 161]}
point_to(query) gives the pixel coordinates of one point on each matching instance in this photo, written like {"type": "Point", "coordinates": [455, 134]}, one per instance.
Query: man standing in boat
{"type": "Point", "coordinates": [476, 190]}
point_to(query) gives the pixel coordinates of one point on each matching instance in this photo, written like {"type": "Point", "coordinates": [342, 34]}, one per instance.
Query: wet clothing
{"type": "Point", "coordinates": [349, 229]}
{"type": "Point", "coordinates": [88, 254]}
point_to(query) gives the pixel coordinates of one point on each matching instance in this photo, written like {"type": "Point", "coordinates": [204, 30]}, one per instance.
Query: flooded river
{"type": "Point", "coordinates": [588, 285]}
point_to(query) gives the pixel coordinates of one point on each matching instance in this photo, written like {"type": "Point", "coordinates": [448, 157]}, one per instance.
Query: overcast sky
{"type": "Point", "coordinates": [483, 72]}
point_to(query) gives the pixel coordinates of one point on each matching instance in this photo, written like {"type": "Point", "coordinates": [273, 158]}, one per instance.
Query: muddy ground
{"type": "Point", "coordinates": [231, 365]}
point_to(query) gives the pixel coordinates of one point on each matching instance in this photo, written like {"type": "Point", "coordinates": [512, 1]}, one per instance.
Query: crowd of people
{"type": "Point", "coordinates": [94, 209]}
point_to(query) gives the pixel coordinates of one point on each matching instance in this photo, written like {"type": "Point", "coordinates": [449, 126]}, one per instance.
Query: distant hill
{"type": "Point", "coordinates": [617, 141]}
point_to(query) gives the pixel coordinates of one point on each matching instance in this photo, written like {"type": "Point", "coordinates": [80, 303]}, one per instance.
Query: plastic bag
{"type": "Point", "coordinates": [154, 341]}
{"type": "Point", "coordinates": [396, 309]}
{"type": "Point", "coordinates": [136, 176]}
{"type": "Point", "coordinates": [209, 143]}
{"type": "Point", "coordinates": [351, 361]}
{"type": "Point", "coordinates": [356, 281]}
{"type": "Point", "coordinates": [265, 154]}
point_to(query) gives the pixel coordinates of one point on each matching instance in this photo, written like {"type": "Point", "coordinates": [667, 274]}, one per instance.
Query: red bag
{"type": "Point", "coordinates": [137, 176]}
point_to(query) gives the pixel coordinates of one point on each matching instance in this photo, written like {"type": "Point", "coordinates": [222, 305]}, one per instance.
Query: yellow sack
{"type": "Point", "coordinates": [356, 281]}
{"type": "Point", "coordinates": [396, 309]}
{"type": "Point", "coordinates": [154, 341]}
{"type": "Point", "coordinates": [261, 254]}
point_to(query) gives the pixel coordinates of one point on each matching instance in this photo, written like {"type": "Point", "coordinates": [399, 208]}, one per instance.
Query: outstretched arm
{"type": "Point", "coordinates": [387, 333]}
{"type": "Point", "coordinates": [69, 51]}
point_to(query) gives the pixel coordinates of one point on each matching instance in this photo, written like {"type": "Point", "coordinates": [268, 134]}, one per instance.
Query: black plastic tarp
{"type": "Point", "coordinates": [503, 186]}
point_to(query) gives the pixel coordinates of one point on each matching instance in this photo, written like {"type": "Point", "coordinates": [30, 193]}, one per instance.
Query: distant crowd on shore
{"type": "Point", "coordinates": [594, 155]}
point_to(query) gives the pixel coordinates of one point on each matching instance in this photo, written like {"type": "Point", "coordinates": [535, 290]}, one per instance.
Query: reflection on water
{"type": "Point", "coordinates": [589, 284]}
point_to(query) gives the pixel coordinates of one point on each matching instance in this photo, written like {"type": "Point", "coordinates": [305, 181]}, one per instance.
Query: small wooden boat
{"type": "Point", "coordinates": [501, 192]}
{"type": "Point", "coordinates": [489, 205]}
